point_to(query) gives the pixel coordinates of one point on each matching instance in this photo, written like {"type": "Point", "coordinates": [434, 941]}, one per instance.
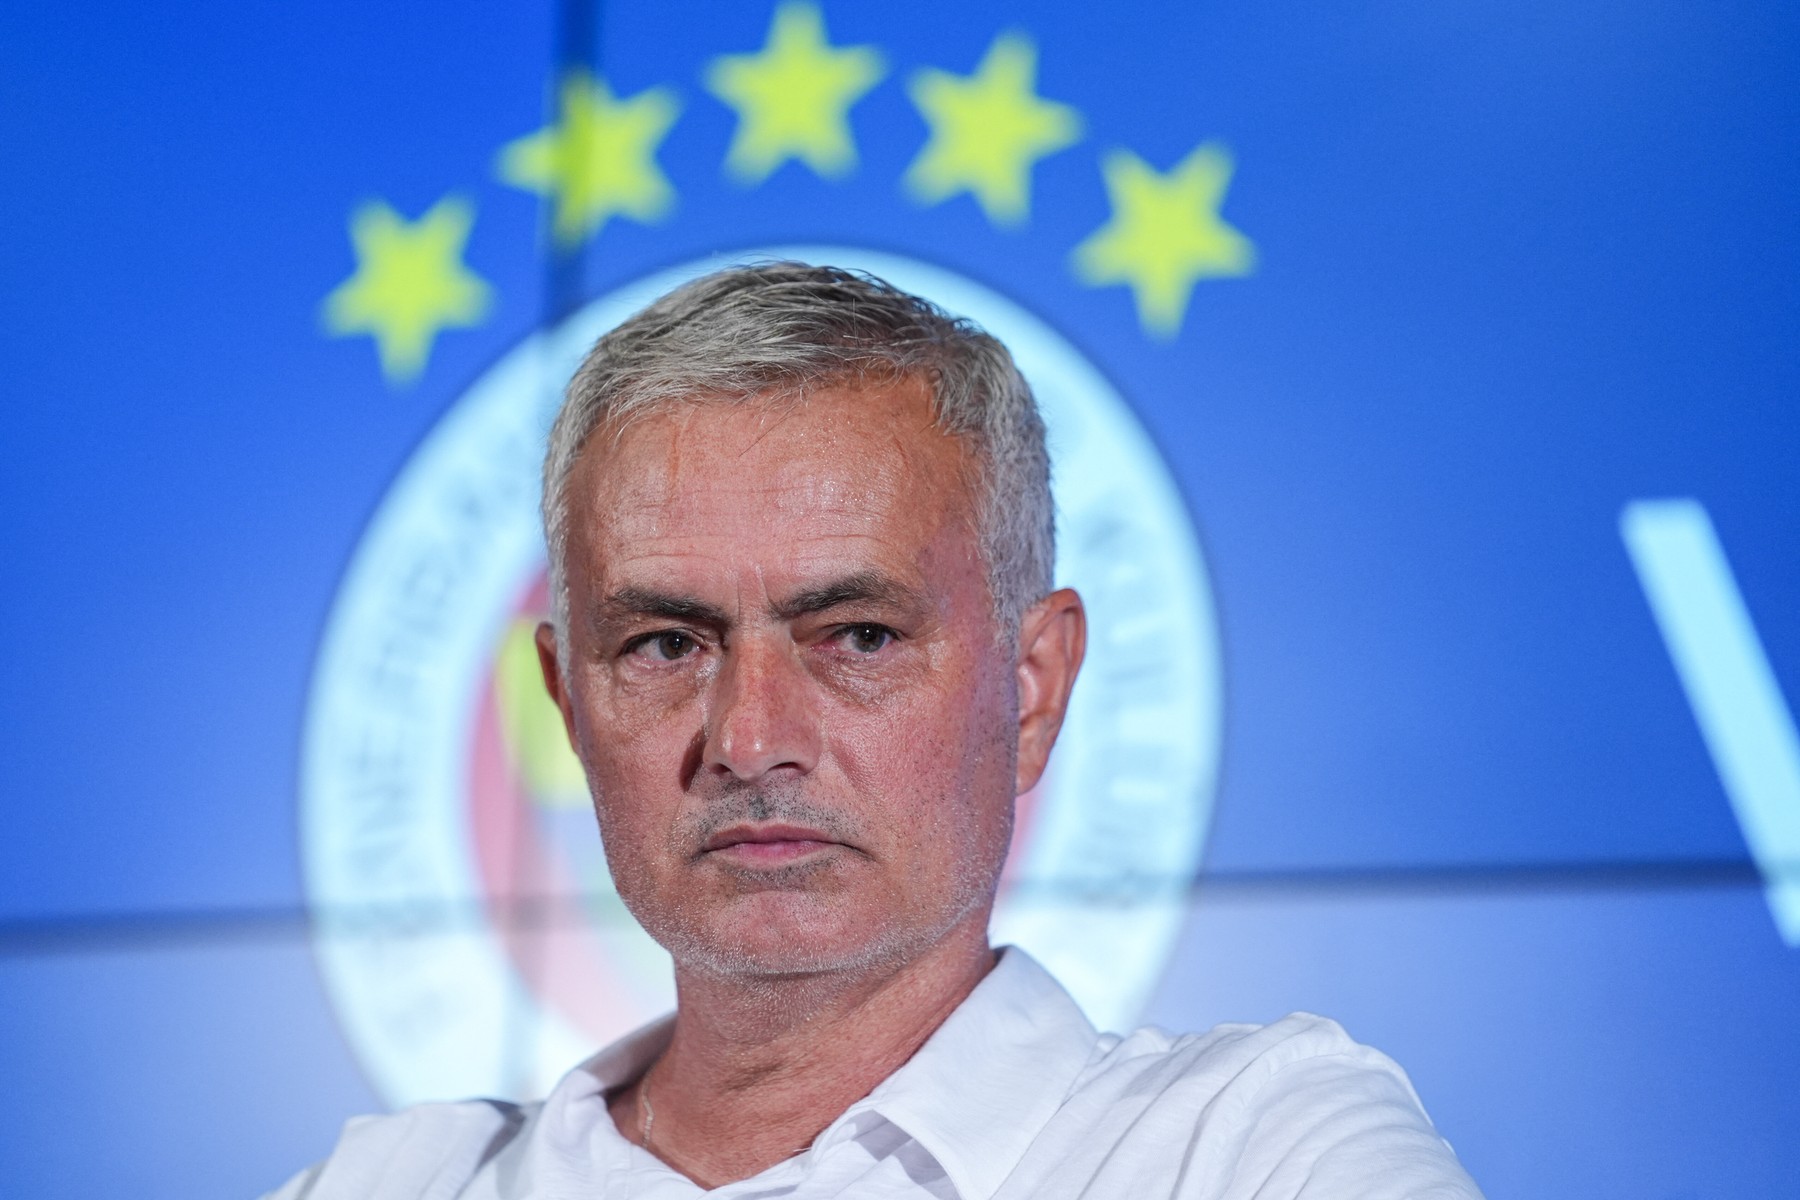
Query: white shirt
{"type": "Point", "coordinates": [1014, 1096]}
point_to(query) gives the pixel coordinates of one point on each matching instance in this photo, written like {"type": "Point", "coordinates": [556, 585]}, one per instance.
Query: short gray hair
{"type": "Point", "coordinates": [779, 328]}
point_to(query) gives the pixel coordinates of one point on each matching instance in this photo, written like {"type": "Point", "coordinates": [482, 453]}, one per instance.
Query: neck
{"type": "Point", "coordinates": [758, 1066]}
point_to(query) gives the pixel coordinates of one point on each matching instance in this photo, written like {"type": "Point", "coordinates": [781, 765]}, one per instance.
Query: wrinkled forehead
{"type": "Point", "coordinates": [773, 473]}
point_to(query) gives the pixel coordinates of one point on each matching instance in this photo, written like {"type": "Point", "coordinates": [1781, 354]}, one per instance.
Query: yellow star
{"type": "Point", "coordinates": [987, 130]}
{"type": "Point", "coordinates": [1165, 234]}
{"type": "Point", "coordinates": [793, 98]}
{"type": "Point", "coordinates": [598, 160]}
{"type": "Point", "coordinates": [410, 283]}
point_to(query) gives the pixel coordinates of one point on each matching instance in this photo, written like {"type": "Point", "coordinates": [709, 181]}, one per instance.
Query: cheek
{"type": "Point", "coordinates": [638, 758]}
{"type": "Point", "coordinates": [636, 805]}
{"type": "Point", "coordinates": [627, 702]}
{"type": "Point", "coordinates": [628, 720]}
{"type": "Point", "coordinates": [939, 770]}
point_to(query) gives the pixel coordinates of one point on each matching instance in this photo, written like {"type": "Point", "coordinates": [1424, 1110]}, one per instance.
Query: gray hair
{"type": "Point", "coordinates": [781, 327]}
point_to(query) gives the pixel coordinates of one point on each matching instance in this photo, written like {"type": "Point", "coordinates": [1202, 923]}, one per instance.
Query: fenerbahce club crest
{"type": "Point", "coordinates": [468, 931]}
{"type": "Point", "coordinates": [465, 922]}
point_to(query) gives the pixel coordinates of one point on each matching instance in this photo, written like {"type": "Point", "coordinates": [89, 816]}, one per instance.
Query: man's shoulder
{"type": "Point", "coordinates": [1229, 1047]}
{"type": "Point", "coordinates": [1243, 1110]}
{"type": "Point", "coordinates": [1258, 1065]}
{"type": "Point", "coordinates": [403, 1153]}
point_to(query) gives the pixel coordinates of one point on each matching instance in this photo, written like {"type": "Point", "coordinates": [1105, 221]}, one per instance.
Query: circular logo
{"type": "Point", "coordinates": [464, 920]}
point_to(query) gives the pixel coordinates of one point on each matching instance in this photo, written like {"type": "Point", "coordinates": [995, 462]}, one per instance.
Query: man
{"type": "Point", "coordinates": [807, 648]}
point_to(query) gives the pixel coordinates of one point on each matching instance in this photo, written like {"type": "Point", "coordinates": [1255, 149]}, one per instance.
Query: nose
{"type": "Point", "coordinates": [761, 719]}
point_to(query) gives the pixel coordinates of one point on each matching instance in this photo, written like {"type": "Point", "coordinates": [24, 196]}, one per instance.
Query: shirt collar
{"type": "Point", "coordinates": [628, 1058]}
{"type": "Point", "coordinates": [575, 1112]}
{"type": "Point", "coordinates": [974, 1096]}
{"type": "Point", "coordinates": [576, 1127]}
{"type": "Point", "coordinates": [982, 1087]}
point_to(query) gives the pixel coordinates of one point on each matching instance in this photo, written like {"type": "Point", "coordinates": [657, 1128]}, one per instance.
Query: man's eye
{"type": "Point", "coordinates": [866, 639]}
{"type": "Point", "coordinates": [668, 645]}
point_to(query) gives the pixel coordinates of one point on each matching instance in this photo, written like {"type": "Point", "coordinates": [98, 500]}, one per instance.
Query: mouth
{"type": "Point", "coordinates": [768, 845]}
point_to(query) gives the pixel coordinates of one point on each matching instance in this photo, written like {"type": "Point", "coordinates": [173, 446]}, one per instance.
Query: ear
{"type": "Point", "coordinates": [1052, 641]}
{"type": "Point", "coordinates": [550, 665]}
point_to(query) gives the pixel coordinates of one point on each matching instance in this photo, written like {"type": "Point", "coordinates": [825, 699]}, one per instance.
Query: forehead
{"type": "Point", "coordinates": [846, 470]}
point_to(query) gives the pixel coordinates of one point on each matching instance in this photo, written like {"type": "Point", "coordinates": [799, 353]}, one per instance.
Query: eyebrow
{"type": "Point", "coordinates": [648, 602]}
{"type": "Point", "coordinates": [863, 587]}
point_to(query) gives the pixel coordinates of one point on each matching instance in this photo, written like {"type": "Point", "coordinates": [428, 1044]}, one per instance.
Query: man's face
{"type": "Point", "coordinates": [785, 681]}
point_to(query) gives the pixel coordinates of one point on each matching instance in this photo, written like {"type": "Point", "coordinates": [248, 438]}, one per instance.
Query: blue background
{"type": "Point", "coordinates": [1520, 264]}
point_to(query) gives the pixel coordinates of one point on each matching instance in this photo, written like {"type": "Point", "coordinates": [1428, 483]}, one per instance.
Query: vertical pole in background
{"type": "Point", "coordinates": [1748, 727]}
{"type": "Point", "coordinates": [565, 285]}
{"type": "Point", "coordinates": [578, 26]}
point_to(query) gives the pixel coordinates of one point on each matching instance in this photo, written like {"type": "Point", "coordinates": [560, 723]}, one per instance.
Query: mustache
{"type": "Point", "coordinates": [761, 804]}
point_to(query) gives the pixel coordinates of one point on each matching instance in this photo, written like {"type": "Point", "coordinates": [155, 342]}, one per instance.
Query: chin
{"type": "Point", "coordinates": [776, 933]}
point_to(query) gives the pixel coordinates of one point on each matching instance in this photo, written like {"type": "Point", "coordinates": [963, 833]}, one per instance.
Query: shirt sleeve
{"type": "Point", "coordinates": [1294, 1110]}
{"type": "Point", "coordinates": [1344, 1126]}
